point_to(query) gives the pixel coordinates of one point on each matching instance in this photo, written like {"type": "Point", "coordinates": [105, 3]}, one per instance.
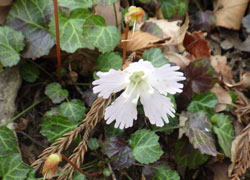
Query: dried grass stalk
{"type": "Point", "coordinates": [92, 118]}
{"type": "Point", "coordinates": [240, 154]}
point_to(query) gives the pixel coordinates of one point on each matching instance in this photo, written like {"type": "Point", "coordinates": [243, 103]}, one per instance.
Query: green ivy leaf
{"type": "Point", "coordinates": [71, 29]}
{"type": "Point", "coordinates": [105, 38]}
{"type": "Point", "coordinates": [55, 92]}
{"type": "Point", "coordinates": [145, 146]}
{"type": "Point", "coordinates": [198, 130]}
{"type": "Point", "coordinates": [13, 168]}
{"type": "Point", "coordinates": [76, 4]}
{"type": "Point", "coordinates": [155, 56]}
{"type": "Point", "coordinates": [53, 127]}
{"type": "Point", "coordinates": [93, 144]}
{"type": "Point", "coordinates": [29, 72]}
{"type": "Point", "coordinates": [73, 110]}
{"type": "Point", "coordinates": [168, 128]}
{"type": "Point", "coordinates": [79, 176]}
{"type": "Point", "coordinates": [172, 8]}
{"type": "Point", "coordinates": [165, 174]}
{"type": "Point", "coordinates": [8, 142]}
{"type": "Point", "coordinates": [11, 43]}
{"type": "Point", "coordinates": [110, 130]}
{"type": "Point", "coordinates": [187, 156]}
{"type": "Point", "coordinates": [203, 102]}
{"type": "Point", "coordinates": [90, 18]}
{"type": "Point", "coordinates": [223, 128]}
{"type": "Point", "coordinates": [108, 61]}
{"type": "Point", "coordinates": [31, 18]}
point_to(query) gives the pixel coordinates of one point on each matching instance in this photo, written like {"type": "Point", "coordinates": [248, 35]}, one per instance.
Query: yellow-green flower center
{"type": "Point", "coordinates": [137, 77]}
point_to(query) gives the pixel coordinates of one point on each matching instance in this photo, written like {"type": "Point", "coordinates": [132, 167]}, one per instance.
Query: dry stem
{"type": "Point", "coordinates": [92, 118]}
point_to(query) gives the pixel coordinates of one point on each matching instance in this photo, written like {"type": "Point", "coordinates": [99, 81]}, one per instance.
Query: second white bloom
{"type": "Point", "coordinates": [140, 80]}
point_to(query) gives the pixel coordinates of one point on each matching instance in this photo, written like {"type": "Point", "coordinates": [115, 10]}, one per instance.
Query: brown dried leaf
{"type": "Point", "coordinates": [219, 64]}
{"type": "Point", "coordinates": [108, 13]}
{"type": "Point", "coordinates": [245, 80]}
{"type": "Point", "coordinates": [240, 154]}
{"type": "Point", "coordinates": [230, 12]}
{"type": "Point", "coordinates": [178, 59]}
{"type": "Point", "coordinates": [220, 170]}
{"type": "Point", "coordinates": [5, 2]}
{"type": "Point", "coordinates": [139, 40]}
{"type": "Point", "coordinates": [197, 45]}
{"type": "Point", "coordinates": [224, 98]}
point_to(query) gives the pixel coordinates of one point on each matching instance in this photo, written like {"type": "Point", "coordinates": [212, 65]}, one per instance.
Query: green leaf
{"type": "Point", "coordinates": [187, 156]}
{"type": "Point", "coordinates": [155, 56]}
{"type": "Point", "coordinates": [73, 110]}
{"type": "Point", "coordinates": [108, 61]}
{"type": "Point", "coordinates": [105, 38]}
{"type": "Point", "coordinates": [145, 1]}
{"type": "Point", "coordinates": [13, 168]}
{"type": "Point", "coordinates": [110, 130]}
{"type": "Point", "coordinates": [165, 174]}
{"type": "Point", "coordinates": [53, 127]}
{"type": "Point", "coordinates": [198, 130]}
{"type": "Point", "coordinates": [145, 146]}
{"type": "Point", "coordinates": [79, 176]}
{"type": "Point", "coordinates": [29, 72]}
{"type": "Point", "coordinates": [31, 18]}
{"type": "Point", "coordinates": [11, 43]}
{"type": "Point", "coordinates": [203, 102]}
{"type": "Point", "coordinates": [71, 29]}
{"type": "Point", "coordinates": [172, 8]}
{"type": "Point", "coordinates": [90, 18]}
{"type": "Point", "coordinates": [55, 92]}
{"type": "Point", "coordinates": [168, 128]}
{"type": "Point", "coordinates": [223, 128]}
{"type": "Point", "coordinates": [76, 4]}
{"type": "Point", "coordinates": [8, 143]}
{"type": "Point", "coordinates": [93, 144]}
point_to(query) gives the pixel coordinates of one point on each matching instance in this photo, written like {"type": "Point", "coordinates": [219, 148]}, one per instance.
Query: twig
{"type": "Point", "coordinates": [58, 49]}
{"type": "Point", "coordinates": [94, 116]}
{"type": "Point", "coordinates": [116, 18]}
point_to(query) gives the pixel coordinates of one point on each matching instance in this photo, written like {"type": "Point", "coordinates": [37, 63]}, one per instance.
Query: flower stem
{"type": "Point", "coordinates": [125, 43]}
{"type": "Point", "coordinates": [58, 51]}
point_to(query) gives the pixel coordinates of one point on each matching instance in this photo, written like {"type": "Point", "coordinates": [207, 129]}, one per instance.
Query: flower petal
{"type": "Point", "coordinates": [157, 107]}
{"type": "Point", "coordinates": [123, 111]}
{"type": "Point", "coordinates": [165, 79]}
{"type": "Point", "coordinates": [110, 82]}
{"type": "Point", "coordinates": [141, 65]}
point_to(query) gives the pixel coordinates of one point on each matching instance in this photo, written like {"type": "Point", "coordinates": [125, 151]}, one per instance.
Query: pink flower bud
{"type": "Point", "coordinates": [134, 15]}
{"type": "Point", "coordinates": [50, 165]}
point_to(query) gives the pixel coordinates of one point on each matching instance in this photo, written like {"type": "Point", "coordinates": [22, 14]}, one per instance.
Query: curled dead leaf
{"type": "Point", "coordinates": [224, 98]}
{"type": "Point", "coordinates": [219, 64]}
{"type": "Point", "coordinates": [230, 12]}
{"type": "Point", "coordinates": [197, 45]}
{"type": "Point", "coordinates": [178, 59]}
{"type": "Point", "coordinates": [140, 40]}
{"type": "Point", "coordinates": [240, 154]}
{"type": "Point", "coordinates": [245, 80]}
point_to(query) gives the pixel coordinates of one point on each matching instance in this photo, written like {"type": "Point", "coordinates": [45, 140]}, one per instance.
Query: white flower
{"type": "Point", "coordinates": [139, 80]}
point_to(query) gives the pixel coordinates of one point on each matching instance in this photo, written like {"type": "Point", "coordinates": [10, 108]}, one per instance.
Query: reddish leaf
{"type": "Point", "coordinates": [121, 154]}
{"type": "Point", "coordinates": [197, 45]}
{"type": "Point", "coordinates": [200, 78]}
